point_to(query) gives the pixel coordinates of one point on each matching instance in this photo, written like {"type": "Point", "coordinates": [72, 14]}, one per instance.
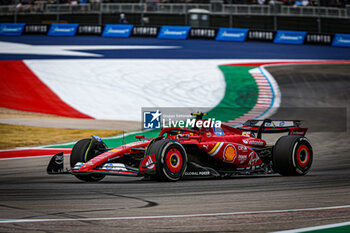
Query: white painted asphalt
{"type": "Point", "coordinates": [117, 89]}
{"type": "Point", "coordinates": [68, 50]}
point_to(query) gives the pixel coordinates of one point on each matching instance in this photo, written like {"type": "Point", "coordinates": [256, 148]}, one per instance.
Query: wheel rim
{"type": "Point", "coordinates": [174, 160]}
{"type": "Point", "coordinates": [303, 156]}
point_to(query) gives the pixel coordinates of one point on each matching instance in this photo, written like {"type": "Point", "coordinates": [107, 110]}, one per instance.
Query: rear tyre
{"type": "Point", "coordinates": [82, 152]}
{"type": "Point", "coordinates": [292, 156]}
{"type": "Point", "coordinates": [171, 159]}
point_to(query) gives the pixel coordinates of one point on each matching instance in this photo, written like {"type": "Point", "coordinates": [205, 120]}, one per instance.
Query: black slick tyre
{"type": "Point", "coordinates": [80, 153]}
{"type": "Point", "coordinates": [292, 155]}
{"type": "Point", "coordinates": [171, 159]}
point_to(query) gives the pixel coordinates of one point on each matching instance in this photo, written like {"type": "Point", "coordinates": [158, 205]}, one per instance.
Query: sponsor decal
{"type": "Point", "coordinates": [59, 159]}
{"type": "Point", "coordinates": [253, 142]}
{"type": "Point", "coordinates": [150, 163]}
{"type": "Point", "coordinates": [36, 29]}
{"type": "Point", "coordinates": [261, 35]}
{"type": "Point", "coordinates": [216, 148]}
{"type": "Point", "coordinates": [115, 150]}
{"type": "Point", "coordinates": [113, 167]}
{"type": "Point", "coordinates": [63, 29]}
{"type": "Point", "coordinates": [276, 124]}
{"type": "Point", "coordinates": [173, 32]}
{"type": "Point", "coordinates": [247, 134]}
{"type": "Point", "coordinates": [89, 30]}
{"type": "Point", "coordinates": [289, 37]}
{"type": "Point", "coordinates": [148, 31]}
{"type": "Point", "coordinates": [202, 33]}
{"type": "Point", "coordinates": [242, 158]}
{"type": "Point", "coordinates": [78, 165]}
{"type": "Point", "coordinates": [294, 132]}
{"type": "Point", "coordinates": [108, 166]}
{"type": "Point", "coordinates": [201, 173]}
{"type": "Point", "coordinates": [11, 29]}
{"type": "Point", "coordinates": [229, 153]}
{"type": "Point", "coordinates": [232, 34]}
{"type": "Point", "coordinates": [304, 139]}
{"type": "Point", "coordinates": [253, 158]}
{"type": "Point", "coordinates": [117, 30]}
{"type": "Point", "coordinates": [243, 148]}
{"type": "Point", "coordinates": [341, 40]}
{"type": "Point", "coordinates": [317, 38]}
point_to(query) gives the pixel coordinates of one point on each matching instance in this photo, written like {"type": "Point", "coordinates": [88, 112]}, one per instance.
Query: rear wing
{"type": "Point", "coordinates": [274, 126]}
{"type": "Point", "coordinates": [273, 123]}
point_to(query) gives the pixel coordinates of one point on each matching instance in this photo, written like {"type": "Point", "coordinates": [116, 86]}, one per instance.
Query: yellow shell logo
{"type": "Point", "coordinates": [229, 153]}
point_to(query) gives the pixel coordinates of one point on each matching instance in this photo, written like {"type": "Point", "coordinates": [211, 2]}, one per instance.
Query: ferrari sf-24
{"type": "Point", "coordinates": [178, 152]}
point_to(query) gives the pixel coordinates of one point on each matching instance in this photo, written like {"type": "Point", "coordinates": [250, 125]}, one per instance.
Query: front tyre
{"type": "Point", "coordinates": [292, 155]}
{"type": "Point", "coordinates": [83, 152]}
{"type": "Point", "coordinates": [171, 159]}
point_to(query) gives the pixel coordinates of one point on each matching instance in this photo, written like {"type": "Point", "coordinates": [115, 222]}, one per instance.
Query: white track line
{"type": "Point", "coordinates": [170, 216]}
{"type": "Point", "coordinates": [315, 228]}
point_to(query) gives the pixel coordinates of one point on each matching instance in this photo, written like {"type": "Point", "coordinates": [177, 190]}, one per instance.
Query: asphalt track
{"type": "Point", "coordinates": [27, 192]}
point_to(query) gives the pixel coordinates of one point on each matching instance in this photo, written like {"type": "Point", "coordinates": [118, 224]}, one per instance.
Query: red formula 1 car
{"type": "Point", "coordinates": [201, 152]}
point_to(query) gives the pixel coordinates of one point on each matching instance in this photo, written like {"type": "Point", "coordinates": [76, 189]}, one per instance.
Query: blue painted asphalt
{"type": "Point", "coordinates": [189, 49]}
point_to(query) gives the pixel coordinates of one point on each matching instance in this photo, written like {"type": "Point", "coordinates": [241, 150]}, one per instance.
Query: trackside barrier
{"type": "Point", "coordinates": [176, 32]}
{"type": "Point", "coordinates": [341, 40]}
{"type": "Point", "coordinates": [318, 38]}
{"type": "Point", "coordinates": [173, 32]}
{"type": "Point", "coordinates": [261, 35]}
{"type": "Point", "coordinates": [36, 29]}
{"type": "Point", "coordinates": [202, 33]}
{"type": "Point", "coordinates": [89, 30]}
{"type": "Point", "coordinates": [11, 29]}
{"type": "Point", "coordinates": [232, 34]}
{"type": "Point", "coordinates": [289, 37]}
{"type": "Point", "coordinates": [145, 31]}
{"type": "Point", "coordinates": [63, 29]}
{"type": "Point", "coordinates": [117, 30]}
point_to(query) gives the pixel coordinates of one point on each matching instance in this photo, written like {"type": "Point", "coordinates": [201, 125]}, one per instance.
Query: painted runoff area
{"type": "Point", "coordinates": [241, 94]}
{"type": "Point", "coordinates": [98, 88]}
{"type": "Point", "coordinates": [249, 93]}
{"type": "Point", "coordinates": [242, 97]}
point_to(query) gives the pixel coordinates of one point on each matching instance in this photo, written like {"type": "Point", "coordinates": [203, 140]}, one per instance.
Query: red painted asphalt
{"type": "Point", "coordinates": [32, 152]}
{"type": "Point", "coordinates": [21, 89]}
